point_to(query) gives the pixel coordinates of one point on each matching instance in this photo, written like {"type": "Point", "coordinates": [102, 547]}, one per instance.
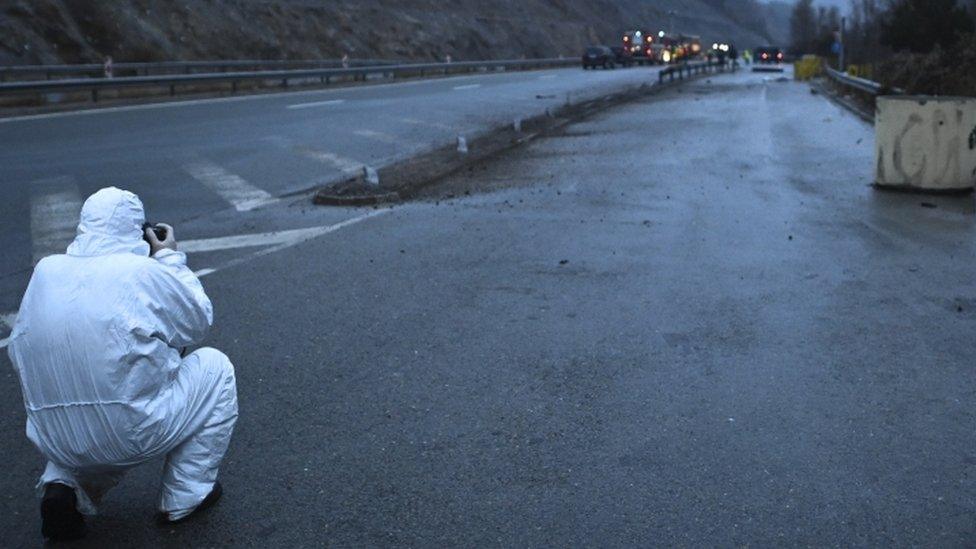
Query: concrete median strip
{"type": "Point", "coordinates": [404, 178]}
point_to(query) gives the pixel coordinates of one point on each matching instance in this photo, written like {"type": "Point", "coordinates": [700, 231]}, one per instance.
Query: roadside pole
{"type": "Point", "coordinates": [843, 47]}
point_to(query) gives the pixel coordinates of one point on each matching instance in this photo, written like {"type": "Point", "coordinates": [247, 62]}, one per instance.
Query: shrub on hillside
{"type": "Point", "coordinates": [940, 72]}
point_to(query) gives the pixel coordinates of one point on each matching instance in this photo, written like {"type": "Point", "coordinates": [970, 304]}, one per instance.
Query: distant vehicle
{"type": "Point", "coordinates": [599, 56]}
{"type": "Point", "coordinates": [622, 56]}
{"type": "Point", "coordinates": [640, 44]}
{"type": "Point", "coordinates": [768, 59]}
{"type": "Point", "coordinates": [675, 48]}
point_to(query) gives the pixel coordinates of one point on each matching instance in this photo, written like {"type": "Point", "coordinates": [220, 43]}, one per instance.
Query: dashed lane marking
{"type": "Point", "coordinates": [276, 241]}
{"type": "Point", "coordinates": [467, 87]}
{"type": "Point", "coordinates": [231, 187]}
{"type": "Point", "coordinates": [55, 207]}
{"type": "Point", "coordinates": [317, 104]}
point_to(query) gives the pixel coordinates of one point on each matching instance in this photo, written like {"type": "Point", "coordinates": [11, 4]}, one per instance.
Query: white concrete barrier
{"type": "Point", "coordinates": [926, 143]}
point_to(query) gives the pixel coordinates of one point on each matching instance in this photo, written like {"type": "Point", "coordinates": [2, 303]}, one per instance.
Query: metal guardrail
{"type": "Point", "coordinates": [94, 85]}
{"type": "Point", "coordinates": [95, 70]}
{"type": "Point", "coordinates": [864, 85]}
{"type": "Point", "coordinates": [688, 69]}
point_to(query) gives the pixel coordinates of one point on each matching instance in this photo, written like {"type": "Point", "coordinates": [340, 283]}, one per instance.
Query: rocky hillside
{"type": "Point", "coordinates": [72, 31]}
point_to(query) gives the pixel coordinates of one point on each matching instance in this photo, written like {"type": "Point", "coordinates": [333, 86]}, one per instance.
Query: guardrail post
{"type": "Point", "coordinates": [172, 90]}
{"type": "Point", "coordinates": [94, 95]}
{"type": "Point", "coordinates": [284, 82]}
{"type": "Point", "coordinates": [233, 87]}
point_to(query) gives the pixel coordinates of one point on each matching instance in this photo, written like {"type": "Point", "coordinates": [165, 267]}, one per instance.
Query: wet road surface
{"type": "Point", "coordinates": [685, 321]}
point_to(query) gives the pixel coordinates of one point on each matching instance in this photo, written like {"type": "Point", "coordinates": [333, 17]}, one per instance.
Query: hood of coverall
{"type": "Point", "coordinates": [111, 223]}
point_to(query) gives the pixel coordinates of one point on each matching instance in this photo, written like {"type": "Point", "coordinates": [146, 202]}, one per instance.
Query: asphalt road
{"type": "Point", "coordinates": [686, 321]}
{"type": "Point", "coordinates": [195, 158]}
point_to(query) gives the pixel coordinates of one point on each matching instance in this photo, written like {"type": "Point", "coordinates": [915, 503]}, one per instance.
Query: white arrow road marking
{"type": "Point", "coordinates": [251, 240]}
{"type": "Point", "coordinates": [317, 104]}
{"type": "Point", "coordinates": [231, 187]}
{"type": "Point", "coordinates": [55, 206]}
{"type": "Point", "coordinates": [276, 241]}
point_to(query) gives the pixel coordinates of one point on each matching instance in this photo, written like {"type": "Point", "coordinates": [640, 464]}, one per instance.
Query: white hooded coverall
{"type": "Point", "coordinates": [97, 347]}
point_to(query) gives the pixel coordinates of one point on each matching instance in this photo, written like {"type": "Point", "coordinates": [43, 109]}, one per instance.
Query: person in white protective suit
{"type": "Point", "coordinates": [97, 346]}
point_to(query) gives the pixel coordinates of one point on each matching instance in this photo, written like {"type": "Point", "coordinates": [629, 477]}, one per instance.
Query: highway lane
{"type": "Point", "coordinates": [721, 336]}
{"type": "Point", "coordinates": [189, 160]}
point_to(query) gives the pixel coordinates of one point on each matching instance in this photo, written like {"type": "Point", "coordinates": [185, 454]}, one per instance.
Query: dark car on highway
{"type": "Point", "coordinates": [769, 59]}
{"type": "Point", "coordinates": [599, 56]}
{"type": "Point", "coordinates": [622, 56]}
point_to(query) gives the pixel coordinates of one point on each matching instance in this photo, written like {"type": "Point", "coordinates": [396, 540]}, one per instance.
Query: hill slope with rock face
{"type": "Point", "coordinates": [73, 31]}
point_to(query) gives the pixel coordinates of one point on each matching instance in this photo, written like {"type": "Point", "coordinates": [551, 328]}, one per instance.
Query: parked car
{"type": "Point", "coordinates": [599, 56]}
{"type": "Point", "coordinates": [769, 59]}
{"type": "Point", "coordinates": [622, 56]}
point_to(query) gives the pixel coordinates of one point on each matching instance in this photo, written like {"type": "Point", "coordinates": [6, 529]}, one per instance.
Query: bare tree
{"type": "Point", "coordinates": [803, 25]}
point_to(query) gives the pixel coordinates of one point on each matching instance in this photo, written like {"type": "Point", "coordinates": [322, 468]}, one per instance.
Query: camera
{"type": "Point", "coordinates": [160, 232]}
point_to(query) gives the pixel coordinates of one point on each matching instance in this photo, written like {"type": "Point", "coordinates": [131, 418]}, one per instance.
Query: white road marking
{"type": "Point", "coordinates": [247, 240]}
{"type": "Point", "coordinates": [7, 319]}
{"type": "Point", "coordinates": [281, 240]}
{"type": "Point", "coordinates": [231, 187]}
{"type": "Point", "coordinates": [340, 163]}
{"type": "Point", "coordinates": [379, 136]}
{"type": "Point", "coordinates": [294, 238]}
{"type": "Point", "coordinates": [317, 104]}
{"type": "Point", "coordinates": [55, 206]}
{"type": "Point", "coordinates": [467, 87]}
{"type": "Point", "coordinates": [429, 124]}
{"type": "Point", "coordinates": [547, 77]}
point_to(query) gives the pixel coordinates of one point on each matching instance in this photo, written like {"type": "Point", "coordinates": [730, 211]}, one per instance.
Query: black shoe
{"type": "Point", "coordinates": [60, 519]}
{"type": "Point", "coordinates": [208, 502]}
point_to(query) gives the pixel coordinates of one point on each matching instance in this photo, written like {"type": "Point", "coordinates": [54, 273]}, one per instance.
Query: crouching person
{"type": "Point", "coordinates": [97, 346]}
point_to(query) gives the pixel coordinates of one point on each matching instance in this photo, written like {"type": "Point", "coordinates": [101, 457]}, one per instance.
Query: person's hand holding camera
{"type": "Point", "coordinates": [160, 236]}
